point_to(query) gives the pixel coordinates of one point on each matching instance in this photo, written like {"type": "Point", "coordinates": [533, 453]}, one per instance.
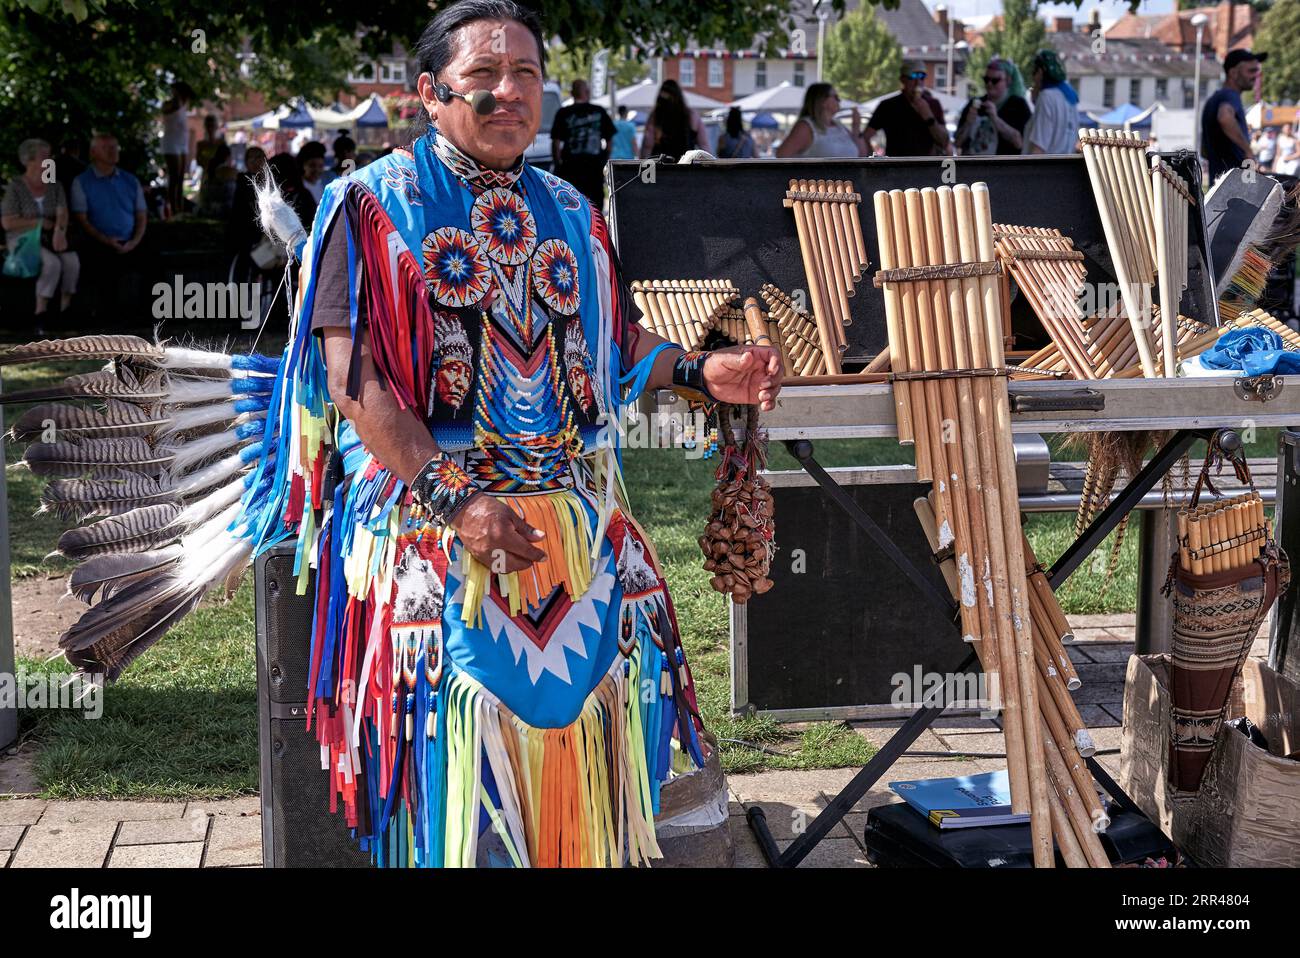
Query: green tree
{"type": "Point", "coordinates": [1277, 33]}
{"type": "Point", "coordinates": [861, 56]}
{"type": "Point", "coordinates": [1021, 35]}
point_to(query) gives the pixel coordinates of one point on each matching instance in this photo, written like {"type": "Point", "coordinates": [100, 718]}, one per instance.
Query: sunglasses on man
{"type": "Point", "coordinates": [990, 81]}
{"type": "Point", "coordinates": [920, 75]}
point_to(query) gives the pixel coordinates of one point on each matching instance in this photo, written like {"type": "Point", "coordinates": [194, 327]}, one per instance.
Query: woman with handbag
{"type": "Point", "coordinates": [34, 214]}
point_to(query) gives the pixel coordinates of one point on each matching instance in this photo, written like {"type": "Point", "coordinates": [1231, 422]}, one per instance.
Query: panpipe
{"type": "Point", "coordinates": [1170, 201]}
{"type": "Point", "coordinates": [1112, 350]}
{"type": "Point", "coordinates": [1258, 317]}
{"type": "Point", "coordinates": [682, 310]}
{"type": "Point", "coordinates": [749, 325]}
{"type": "Point", "coordinates": [834, 255]}
{"type": "Point", "coordinates": [1224, 535]}
{"type": "Point", "coordinates": [1121, 182]}
{"type": "Point", "coordinates": [943, 311]}
{"type": "Point", "coordinates": [1076, 809]}
{"type": "Point", "coordinates": [1050, 274]}
{"type": "Point", "coordinates": [796, 332]}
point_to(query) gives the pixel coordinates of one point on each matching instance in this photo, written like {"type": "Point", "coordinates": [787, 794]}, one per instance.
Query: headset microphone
{"type": "Point", "coordinates": [482, 101]}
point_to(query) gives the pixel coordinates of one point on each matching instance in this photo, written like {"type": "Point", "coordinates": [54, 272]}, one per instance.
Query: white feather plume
{"type": "Point", "coordinates": [278, 218]}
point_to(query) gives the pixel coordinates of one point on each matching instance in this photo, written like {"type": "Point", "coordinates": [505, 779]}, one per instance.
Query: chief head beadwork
{"type": "Point", "coordinates": [455, 367]}
{"type": "Point", "coordinates": [555, 276]}
{"type": "Point", "coordinates": [455, 269]}
{"type": "Point", "coordinates": [579, 368]}
{"type": "Point", "coordinates": [504, 226]}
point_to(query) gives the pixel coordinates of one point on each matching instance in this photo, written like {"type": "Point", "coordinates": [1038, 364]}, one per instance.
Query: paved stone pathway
{"type": "Point", "coordinates": [227, 833]}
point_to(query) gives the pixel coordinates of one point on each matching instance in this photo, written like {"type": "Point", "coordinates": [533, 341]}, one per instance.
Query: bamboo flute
{"type": "Point", "coordinates": [1116, 226]}
{"type": "Point", "coordinates": [941, 248]}
{"type": "Point", "coordinates": [902, 339]}
{"type": "Point", "coordinates": [979, 212]}
{"type": "Point", "coordinates": [808, 248]}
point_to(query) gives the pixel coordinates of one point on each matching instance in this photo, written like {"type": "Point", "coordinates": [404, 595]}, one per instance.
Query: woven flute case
{"type": "Point", "coordinates": [1216, 617]}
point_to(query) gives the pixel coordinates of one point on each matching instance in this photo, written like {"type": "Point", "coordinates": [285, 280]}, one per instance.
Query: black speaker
{"type": "Point", "coordinates": [298, 829]}
{"type": "Point", "coordinates": [842, 622]}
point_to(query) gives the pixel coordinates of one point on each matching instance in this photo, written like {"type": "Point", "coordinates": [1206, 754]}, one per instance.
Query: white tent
{"type": "Point", "coordinates": [641, 97]}
{"type": "Point", "coordinates": [785, 97]}
{"type": "Point", "coordinates": [369, 112]}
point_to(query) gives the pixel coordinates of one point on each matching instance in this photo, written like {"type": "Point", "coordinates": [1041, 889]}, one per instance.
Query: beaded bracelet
{"type": "Point", "coordinates": [441, 488]}
{"type": "Point", "coordinates": [688, 373]}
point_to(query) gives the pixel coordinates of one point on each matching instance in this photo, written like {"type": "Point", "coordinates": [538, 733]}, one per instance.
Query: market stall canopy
{"type": "Point", "coordinates": [369, 112]}
{"type": "Point", "coordinates": [641, 96]}
{"type": "Point", "coordinates": [1125, 116]}
{"type": "Point", "coordinates": [785, 97]}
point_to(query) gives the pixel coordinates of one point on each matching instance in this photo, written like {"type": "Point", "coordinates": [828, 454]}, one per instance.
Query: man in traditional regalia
{"type": "Point", "coordinates": [496, 665]}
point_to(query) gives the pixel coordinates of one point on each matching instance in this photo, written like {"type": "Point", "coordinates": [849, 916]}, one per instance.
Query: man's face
{"type": "Point", "coordinates": [1244, 75]}
{"type": "Point", "coordinates": [210, 127]}
{"type": "Point", "coordinates": [104, 149]}
{"type": "Point", "coordinates": [255, 161]}
{"type": "Point", "coordinates": [581, 386]}
{"type": "Point", "coordinates": [912, 84]}
{"type": "Point", "coordinates": [453, 382]}
{"type": "Point", "coordinates": [502, 58]}
{"type": "Point", "coordinates": [580, 90]}
{"type": "Point", "coordinates": [313, 169]}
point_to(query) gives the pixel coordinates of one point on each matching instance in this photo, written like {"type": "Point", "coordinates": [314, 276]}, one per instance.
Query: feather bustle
{"type": "Point", "coordinates": [145, 528]}
{"type": "Point", "coordinates": [102, 346]}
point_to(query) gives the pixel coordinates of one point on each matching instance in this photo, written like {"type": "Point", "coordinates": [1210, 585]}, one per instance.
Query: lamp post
{"type": "Point", "coordinates": [1198, 22]}
{"type": "Point", "coordinates": [821, 37]}
{"type": "Point", "coordinates": [942, 9]}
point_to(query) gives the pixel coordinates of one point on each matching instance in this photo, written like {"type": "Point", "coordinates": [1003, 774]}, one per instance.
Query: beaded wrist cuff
{"type": "Point", "coordinates": [441, 487]}
{"type": "Point", "coordinates": [688, 373]}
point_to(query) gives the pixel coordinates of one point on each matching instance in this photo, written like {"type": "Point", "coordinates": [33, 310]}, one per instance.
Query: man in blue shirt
{"type": "Point", "coordinates": [108, 202]}
{"type": "Point", "coordinates": [1225, 138]}
{"type": "Point", "coordinates": [109, 205]}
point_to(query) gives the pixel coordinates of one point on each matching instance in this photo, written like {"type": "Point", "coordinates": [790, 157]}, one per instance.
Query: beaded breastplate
{"type": "Point", "coordinates": [513, 378]}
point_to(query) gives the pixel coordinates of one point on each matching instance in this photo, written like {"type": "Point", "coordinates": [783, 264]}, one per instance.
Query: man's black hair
{"type": "Point", "coordinates": [437, 45]}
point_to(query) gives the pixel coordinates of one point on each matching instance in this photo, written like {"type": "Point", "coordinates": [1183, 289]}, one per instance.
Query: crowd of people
{"type": "Point", "coordinates": [89, 220]}
{"type": "Point", "coordinates": [911, 122]}
{"type": "Point", "coordinates": [72, 225]}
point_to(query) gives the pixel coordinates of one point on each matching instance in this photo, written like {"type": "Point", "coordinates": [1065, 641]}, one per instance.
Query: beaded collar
{"type": "Point", "coordinates": [469, 169]}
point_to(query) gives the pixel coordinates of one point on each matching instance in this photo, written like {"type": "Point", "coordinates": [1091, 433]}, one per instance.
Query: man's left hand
{"type": "Point", "coordinates": [744, 375]}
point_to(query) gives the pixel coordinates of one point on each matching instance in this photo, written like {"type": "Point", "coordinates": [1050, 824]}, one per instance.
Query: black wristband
{"type": "Point", "coordinates": [441, 488]}
{"type": "Point", "coordinates": [688, 373]}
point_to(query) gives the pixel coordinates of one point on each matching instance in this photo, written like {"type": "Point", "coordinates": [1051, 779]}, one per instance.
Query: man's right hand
{"type": "Point", "coordinates": [496, 535]}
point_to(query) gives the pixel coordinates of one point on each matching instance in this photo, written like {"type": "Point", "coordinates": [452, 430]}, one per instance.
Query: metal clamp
{"type": "Point", "coordinates": [1258, 388]}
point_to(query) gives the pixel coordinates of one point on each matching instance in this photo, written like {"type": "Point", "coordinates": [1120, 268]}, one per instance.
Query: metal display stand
{"type": "Point", "coordinates": [1194, 409]}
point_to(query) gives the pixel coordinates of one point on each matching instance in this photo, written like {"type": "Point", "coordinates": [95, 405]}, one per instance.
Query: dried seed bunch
{"type": "Point", "coordinates": [738, 541]}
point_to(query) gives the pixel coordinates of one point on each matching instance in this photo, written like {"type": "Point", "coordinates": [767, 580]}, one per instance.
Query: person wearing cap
{"type": "Point", "coordinates": [912, 120]}
{"type": "Point", "coordinates": [1054, 127]}
{"type": "Point", "coordinates": [1225, 138]}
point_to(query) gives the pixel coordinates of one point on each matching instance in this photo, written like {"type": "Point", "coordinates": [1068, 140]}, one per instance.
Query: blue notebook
{"type": "Point", "coordinates": [963, 802]}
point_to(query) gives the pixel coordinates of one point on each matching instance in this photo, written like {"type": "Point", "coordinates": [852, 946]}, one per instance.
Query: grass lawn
{"type": "Point", "coordinates": [182, 721]}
